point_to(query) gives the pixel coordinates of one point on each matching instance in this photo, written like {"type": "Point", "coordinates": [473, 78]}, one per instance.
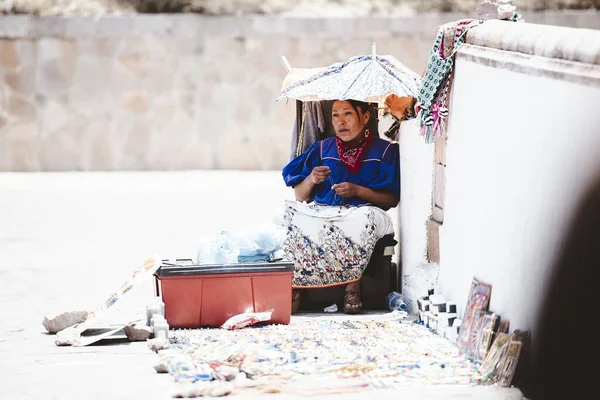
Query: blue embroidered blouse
{"type": "Point", "coordinates": [380, 170]}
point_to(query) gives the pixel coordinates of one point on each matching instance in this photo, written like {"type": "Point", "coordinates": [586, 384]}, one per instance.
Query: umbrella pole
{"type": "Point", "coordinates": [373, 51]}
{"type": "Point", "coordinates": [286, 64]}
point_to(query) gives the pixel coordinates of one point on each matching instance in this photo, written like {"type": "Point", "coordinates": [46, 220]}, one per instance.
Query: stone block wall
{"type": "Point", "coordinates": [170, 92]}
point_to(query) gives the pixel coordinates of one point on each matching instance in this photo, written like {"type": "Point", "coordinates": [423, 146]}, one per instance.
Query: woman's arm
{"type": "Point", "coordinates": [304, 189]}
{"type": "Point", "coordinates": [382, 199]}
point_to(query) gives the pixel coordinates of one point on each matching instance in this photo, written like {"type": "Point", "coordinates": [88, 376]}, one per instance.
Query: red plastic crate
{"type": "Point", "coordinates": [208, 295]}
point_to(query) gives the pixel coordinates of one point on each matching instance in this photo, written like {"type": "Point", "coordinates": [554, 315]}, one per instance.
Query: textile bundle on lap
{"type": "Point", "coordinates": [331, 245]}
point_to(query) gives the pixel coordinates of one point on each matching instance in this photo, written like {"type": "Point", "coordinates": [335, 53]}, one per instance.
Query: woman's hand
{"type": "Point", "coordinates": [382, 199]}
{"type": "Point", "coordinates": [319, 174]}
{"type": "Point", "coordinates": [347, 189]}
{"type": "Point", "coordinates": [304, 190]}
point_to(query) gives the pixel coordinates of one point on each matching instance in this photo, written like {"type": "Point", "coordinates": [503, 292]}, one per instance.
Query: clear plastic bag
{"type": "Point", "coordinates": [268, 238]}
{"type": "Point", "coordinates": [246, 246]}
{"type": "Point", "coordinates": [207, 251]}
{"type": "Point", "coordinates": [219, 250]}
{"type": "Point", "coordinates": [251, 245]}
{"type": "Point", "coordinates": [257, 243]}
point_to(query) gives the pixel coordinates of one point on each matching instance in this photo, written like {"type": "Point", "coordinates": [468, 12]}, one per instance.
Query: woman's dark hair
{"type": "Point", "coordinates": [356, 104]}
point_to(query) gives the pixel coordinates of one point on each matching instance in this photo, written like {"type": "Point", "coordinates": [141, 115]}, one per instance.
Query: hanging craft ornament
{"type": "Point", "coordinates": [435, 85]}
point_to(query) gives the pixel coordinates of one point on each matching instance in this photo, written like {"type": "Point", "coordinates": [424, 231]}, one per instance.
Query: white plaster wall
{"type": "Point", "coordinates": [521, 150]}
{"type": "Point", "coordinates": [416, 168]}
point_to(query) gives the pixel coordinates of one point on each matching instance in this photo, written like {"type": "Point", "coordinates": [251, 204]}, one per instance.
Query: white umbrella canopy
{"type": "Point", "coordinates": [365, 78]}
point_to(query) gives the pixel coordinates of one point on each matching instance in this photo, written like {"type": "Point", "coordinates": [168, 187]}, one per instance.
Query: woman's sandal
{"type": "Point", "coordinates": [295, 300]}
{"type": "Point", "coordinates": [352, 303]}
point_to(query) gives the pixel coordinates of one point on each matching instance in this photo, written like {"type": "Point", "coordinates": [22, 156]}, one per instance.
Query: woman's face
{"type": "Point", "coordinates": [347, 123]}
{"type": "Point", "coordinates": [397, 106]}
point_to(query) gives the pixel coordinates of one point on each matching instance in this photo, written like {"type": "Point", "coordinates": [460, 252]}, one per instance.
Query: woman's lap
{"type": "Point", "coordinates": [331, 245]}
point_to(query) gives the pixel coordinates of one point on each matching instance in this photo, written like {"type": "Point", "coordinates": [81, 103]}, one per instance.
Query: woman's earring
{"type": "Point", "coordinates": [367, 132]}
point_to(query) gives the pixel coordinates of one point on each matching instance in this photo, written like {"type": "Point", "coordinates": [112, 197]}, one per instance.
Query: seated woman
{"type": "Point", "coordinates": [350, 179]}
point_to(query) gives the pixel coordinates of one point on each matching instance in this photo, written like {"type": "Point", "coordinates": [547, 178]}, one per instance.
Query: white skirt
{"type": "Point", "coordinates": [331, 245]}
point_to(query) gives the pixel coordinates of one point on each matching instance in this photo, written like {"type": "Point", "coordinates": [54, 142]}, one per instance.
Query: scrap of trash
{"type": "Point", "coordinates": [243, 320]}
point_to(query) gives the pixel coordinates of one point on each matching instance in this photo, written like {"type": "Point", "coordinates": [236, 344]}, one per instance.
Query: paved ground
{"type": "Point", "coordinates": [67, 240]}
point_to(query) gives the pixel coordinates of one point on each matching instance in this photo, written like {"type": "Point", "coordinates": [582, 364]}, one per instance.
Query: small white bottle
{"type": "Point", "coordinates": [155, 307]}
{"type": "Point", "coordinates": [155, 319]}
{"type": "Point", "coordinates": [161, 328]}
{"type": "Point", "coordinates": [151, 310]}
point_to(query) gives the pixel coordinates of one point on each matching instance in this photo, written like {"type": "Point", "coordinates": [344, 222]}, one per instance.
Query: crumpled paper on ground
{"type": "Point", "coordinates": [158, 344]}
{"type": "Point", "coordinates": [331, 309]}
{"type": "Point", "coordinates": [243, 320]}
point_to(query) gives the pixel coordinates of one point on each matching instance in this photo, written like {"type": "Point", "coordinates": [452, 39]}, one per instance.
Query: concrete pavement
{"type": "Point", "coordinates": [67, 240]}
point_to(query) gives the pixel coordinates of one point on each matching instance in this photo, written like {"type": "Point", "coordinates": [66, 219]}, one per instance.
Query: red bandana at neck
{"type": "Point", "coordinates": [352, 155]}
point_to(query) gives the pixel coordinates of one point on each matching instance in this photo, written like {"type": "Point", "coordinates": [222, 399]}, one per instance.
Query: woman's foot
{"type": "Point", "coordinates": [352, 303]}
{"type": "Point", "coordinates": [295, 300]}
